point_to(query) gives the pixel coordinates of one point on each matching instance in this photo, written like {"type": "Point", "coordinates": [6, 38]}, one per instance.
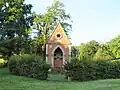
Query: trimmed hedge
{"type": "Point", "coordinates": [29, 65]}
{"type": "Point", "coordinates": [92, 70]}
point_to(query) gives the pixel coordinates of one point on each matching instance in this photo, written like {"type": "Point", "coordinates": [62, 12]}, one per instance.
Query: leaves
{"type": "Point", "coordinates": [15, 21]}
{"type": "Point", "coordinates": [45, 23]}
{"type": "Point", "coordinates": [29, 65]}
{"type": "Point", "coordinates": [88, 50]}
{"type": "Point", "coordinates": [103, 53]}
{"type": "Point", "coordinates": [114, 45]}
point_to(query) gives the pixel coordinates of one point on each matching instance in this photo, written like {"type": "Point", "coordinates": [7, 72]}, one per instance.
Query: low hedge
{"type": "Point", "coordinates": [28, 65]}
{"type": "Point", "coordinates": [91, 70]}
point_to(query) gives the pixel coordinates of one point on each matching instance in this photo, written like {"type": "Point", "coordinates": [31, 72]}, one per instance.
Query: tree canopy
{"type": "Point", "coordinates": [87, 51]}
{"type": "Point", "coordinates": [104, 53]}
{"type": "Point", "coordinates": [114, 45]}
{"type": "Point", "coordinates": [45, 23]}
{"type": "Point", "coordinates": [15, 21]}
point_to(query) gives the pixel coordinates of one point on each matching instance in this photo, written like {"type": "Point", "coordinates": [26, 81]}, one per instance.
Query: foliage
{"type": "Point", "coordinates": [82, 70]}
{"type": "Point", "coordinates": [58, 12]}
{"type": "Point", "coordinates": [54, 82]}
{"type": "Point", "coordinates": [15, 21]}
{"type": "Point", "coordinates": [11, 46]}
{"type": "Point", "coordinates": [3, 63]}
{"type": "Point", "coordinates": [45, 23]}
{"type": "Point", "coordinates": [74, 51]}
{"type": "Point", "coordinates": [16, 18]}
{"type": "Point", "coordinates": [104, 53]}
{"type": "Point", "coordinates": [28, 65]}
{"type": "Point", "coordinates": [114, 45]}
{"type": "Point", "coordinates": [88, 50]}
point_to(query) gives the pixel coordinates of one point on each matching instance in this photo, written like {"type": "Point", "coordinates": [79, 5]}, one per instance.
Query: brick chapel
{"type": "Point", "coordinates": [58, 47]}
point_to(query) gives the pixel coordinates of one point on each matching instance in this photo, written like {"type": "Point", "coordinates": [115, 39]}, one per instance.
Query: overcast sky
{"type": "Point", "coordinates": [92, 19]}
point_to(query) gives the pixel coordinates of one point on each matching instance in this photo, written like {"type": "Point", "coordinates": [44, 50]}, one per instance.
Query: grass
{"type": "Point", "coordinates": [55, 82]}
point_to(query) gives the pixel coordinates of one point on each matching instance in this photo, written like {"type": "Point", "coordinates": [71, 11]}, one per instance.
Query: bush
{"type": "Point", "coordinates": [91, 70]}
{"type": "Point", "coordinates": [3, 63]}
{"type": "Point", "coordinates": [29, 65]}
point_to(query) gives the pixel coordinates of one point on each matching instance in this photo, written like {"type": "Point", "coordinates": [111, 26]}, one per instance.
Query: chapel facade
{"type": "Point", "coordinates": [58, 48]}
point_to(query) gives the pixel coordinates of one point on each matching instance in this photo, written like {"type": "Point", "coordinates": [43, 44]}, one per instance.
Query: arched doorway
{"type": "Point", "coordinates": [58, 57]}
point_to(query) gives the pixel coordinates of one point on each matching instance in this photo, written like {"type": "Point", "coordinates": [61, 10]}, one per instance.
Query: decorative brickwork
{"type": "Point", "coordinates": [58, 48]}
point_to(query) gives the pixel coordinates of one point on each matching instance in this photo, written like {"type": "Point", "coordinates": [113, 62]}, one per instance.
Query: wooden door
{"type": "Point", "coordinates": [58, 58]}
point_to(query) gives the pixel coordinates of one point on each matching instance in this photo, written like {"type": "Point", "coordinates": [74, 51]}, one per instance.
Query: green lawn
{"type": "Point", "coordinates": [55, 82]}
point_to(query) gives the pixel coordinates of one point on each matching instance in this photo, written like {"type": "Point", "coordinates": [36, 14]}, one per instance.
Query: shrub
{"type": "Point", "coordinates": [29, 65]}
{"type": "Point", "coordinates": [91, 70]}
{"type": "Point", "coordinates": [3, 63]}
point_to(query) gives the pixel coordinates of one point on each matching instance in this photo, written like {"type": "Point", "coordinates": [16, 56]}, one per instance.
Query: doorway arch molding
{"type": "Point", "coordinates": [58, 46]}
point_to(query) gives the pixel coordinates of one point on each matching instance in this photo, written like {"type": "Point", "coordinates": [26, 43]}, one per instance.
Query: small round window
{"type": "Point", "coordinates": [58, 35]}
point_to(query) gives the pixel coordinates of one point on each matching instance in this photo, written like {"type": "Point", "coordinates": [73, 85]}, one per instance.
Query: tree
{"type": "Point", "coordinates": [103, 53]}
{"type": "Point", "coordinates": [88, 50]}
{"type": "Point", "coordinates": [45, 23]}
{"type": "Point", "coordinates": [57, 12]}
{"type": "Point", "coordinates": [74, 51]}
{"type": "Point", "coordinates": [15, 21]}
{"type": "Point", "coordinates": [114, 45]}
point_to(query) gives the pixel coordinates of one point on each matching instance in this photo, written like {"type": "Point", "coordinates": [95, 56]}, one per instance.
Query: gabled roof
{"type": "Point", "coordinates": [59, 29]}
